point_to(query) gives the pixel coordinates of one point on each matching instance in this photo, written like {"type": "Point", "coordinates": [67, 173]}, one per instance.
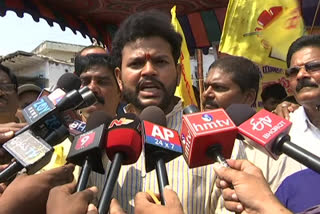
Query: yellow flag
{"type": "Point", "coordinates": [261, 30]}
{"type": "Point", "coordinates": [184, 90]}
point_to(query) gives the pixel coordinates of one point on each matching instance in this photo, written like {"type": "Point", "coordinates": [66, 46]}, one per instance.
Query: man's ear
{"type": "Point", "coordinates": [117, 73]}
{"type": "Point", "coordinates": [250, 96]}
{"type": "Point", "coordinates": [179, 70]}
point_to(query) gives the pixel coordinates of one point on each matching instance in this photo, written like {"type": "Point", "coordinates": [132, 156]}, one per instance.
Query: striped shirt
{"type": "Point", "coordinates": [193, 186]}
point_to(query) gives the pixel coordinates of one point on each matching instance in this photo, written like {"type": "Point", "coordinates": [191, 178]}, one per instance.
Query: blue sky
{"type": "Point", "coordinates": [25, 34]}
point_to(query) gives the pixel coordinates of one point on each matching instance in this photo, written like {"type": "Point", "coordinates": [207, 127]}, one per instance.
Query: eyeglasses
{"type": "Point", "coordinates": [7, 87]}
{"type": "Point", "coordinates": [310, 67]}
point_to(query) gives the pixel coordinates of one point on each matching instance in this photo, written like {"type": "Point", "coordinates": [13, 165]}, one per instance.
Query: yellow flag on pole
{"type": "Point", "coordinates": [184, 90]}
{"type": "Point", "coordinates": [261, 30]}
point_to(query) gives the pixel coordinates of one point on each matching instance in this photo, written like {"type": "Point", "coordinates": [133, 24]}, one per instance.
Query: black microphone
{"type": "Point", "coordinates": [31, 152]}
{"type": "Point", "coordinates": [161, 144]}
{"type": "Point", "coordinates": [123, 146]}
{"type": "Point", "coordinates": [43, 116]}
{"type": "Point", "coordinates": [67, 82]}
{"type": "Point", "coordinates": [87, 148]}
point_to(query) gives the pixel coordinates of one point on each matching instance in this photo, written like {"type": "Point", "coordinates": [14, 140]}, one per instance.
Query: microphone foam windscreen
{"type": "Point", "coordinates": [190, 109]}
{"type": "Point", "coordinates": [96, 119]}
{"type": "Point", "coordinates": [154, 115]}
{"type": "Point", "coordinates": [124, 135]}
{"type": "Point", "coordinates": [68, 82]}
{"type": "Point", "coordinates": [239, 113]}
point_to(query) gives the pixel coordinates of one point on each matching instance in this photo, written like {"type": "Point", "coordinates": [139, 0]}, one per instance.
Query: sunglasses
{"type": "Point", "coordinates": [309, 67]}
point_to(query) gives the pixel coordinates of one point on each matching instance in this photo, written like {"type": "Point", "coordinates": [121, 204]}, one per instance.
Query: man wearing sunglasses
{"type": "Point", "coordinates": [300, 189]}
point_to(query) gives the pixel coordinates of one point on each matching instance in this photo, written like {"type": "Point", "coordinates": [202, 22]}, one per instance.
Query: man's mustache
{"type": "Point", "coordinates": [305, 83]}
{"type": "Point", "coordinates": [153, 80]}
{"type": "Point", "coordinates": [211, 103]}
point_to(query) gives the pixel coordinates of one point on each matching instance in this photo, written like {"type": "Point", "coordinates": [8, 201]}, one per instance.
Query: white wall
{"type": "Point", "coordinates": [56, 70]}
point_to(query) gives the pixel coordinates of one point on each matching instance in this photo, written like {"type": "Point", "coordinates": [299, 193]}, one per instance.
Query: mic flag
{"type": "Point", "coordinates": [201, 132]}
{"type": "Point", "coordinates": [124, 135]}
{"type": "Point", "coordinates": [263, 129]}
{"type": "Point", "coordinates": [30, 151]}
{"type": "Point", "coordinates": [86, 144]}
{"type": "Point", "coordinates": [158, 139]}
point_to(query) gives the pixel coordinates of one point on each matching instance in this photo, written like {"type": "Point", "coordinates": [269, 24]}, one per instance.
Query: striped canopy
{"type": "Point", "coordinates": [201, 20]}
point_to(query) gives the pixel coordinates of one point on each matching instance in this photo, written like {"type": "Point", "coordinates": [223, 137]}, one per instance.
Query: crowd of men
{"type": "Point", "coordinates": [142, 70]}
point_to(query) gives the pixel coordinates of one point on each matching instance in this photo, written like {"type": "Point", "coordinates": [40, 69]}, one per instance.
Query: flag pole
{"type": "Point", "coordinates": [315, 16]}
{"type": "Point", "coordinates": [200, 75]}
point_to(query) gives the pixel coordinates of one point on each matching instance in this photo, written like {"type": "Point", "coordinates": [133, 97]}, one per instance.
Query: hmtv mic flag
{"type": "Point", "coordinates": [261, 30]}
{"type": "Point", "coordinates": [184, 90]}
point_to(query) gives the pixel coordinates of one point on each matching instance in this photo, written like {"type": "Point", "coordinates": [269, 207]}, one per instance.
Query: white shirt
{"type": "Point", "coordinates": [303, 133]}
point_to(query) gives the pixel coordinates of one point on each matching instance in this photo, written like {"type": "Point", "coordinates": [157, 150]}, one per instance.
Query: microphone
{"type": "Point", "coordinates": [31, 152]}
{"type": "Point", "coordinates": [207, 137]}
{"type": "Point", "coordinates": [65, 83]}
{"type": "Point", "coordinates": [123, 147]}
{"type": "Point", "coordinates": [43, 116]}
{"type": "Point", "coordinates": [86, 149]}
{"type": "Point", "coordinates": [269, 133]}
{"type": "Point", "coordinates": [161, 144]}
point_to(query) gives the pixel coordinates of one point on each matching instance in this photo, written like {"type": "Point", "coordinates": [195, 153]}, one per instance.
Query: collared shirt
{"type": "Point", "coordinates": [193, 186]}
{"type": "Point", "coordinates": [306, 135]}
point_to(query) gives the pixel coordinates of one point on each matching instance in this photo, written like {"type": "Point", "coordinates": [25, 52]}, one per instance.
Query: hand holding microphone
{"type": "Point", "coordinates": [29, 194]}
{"type": "Point", "coordinates": [63, 199]}
{"type": "Point", "coordinates": [251, 193]}
{"type": "Point", "coordinates": [144, 203]}
{"type": "Point", "coordinates": [7, 130]}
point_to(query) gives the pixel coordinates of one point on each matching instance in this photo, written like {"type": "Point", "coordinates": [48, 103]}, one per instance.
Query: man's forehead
{"type": "Point", "coordinates": [101, 72]}
{"type": "Point", "coordinates": [95, 50]}
{"type": "Point", "coordinates": [152, 45]}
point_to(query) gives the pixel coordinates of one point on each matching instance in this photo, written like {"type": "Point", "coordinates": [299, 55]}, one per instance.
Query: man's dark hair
{"type": "Point", "coordinates": [80, 61]}
{"type": "Point", "coordinates": [243, 71]}
{"type": "Point", "coordinates": [103, 60]}
{"type": "Point", "coordinates": [302, 42]}
{"type": "Point", "coordinates": [11, 76]}
{"type": "Point", "coordinates": [275, 91]}
{"type": "Point", "coordinates": [144, 25]}
{"type": "Point", "coordinates": [93, 60]}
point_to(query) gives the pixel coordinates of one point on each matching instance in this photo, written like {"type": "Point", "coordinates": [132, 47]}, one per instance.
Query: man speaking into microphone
{"type": "Point", "coordinates": [146, 50]}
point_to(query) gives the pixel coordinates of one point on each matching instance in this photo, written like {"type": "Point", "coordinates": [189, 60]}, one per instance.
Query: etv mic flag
{"type": "Point", "coordinates": [264, 127]}
{"type": "Point", "coordinates": [261, 30]}
{"type": "Point", "coordinates": [184, 90]}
